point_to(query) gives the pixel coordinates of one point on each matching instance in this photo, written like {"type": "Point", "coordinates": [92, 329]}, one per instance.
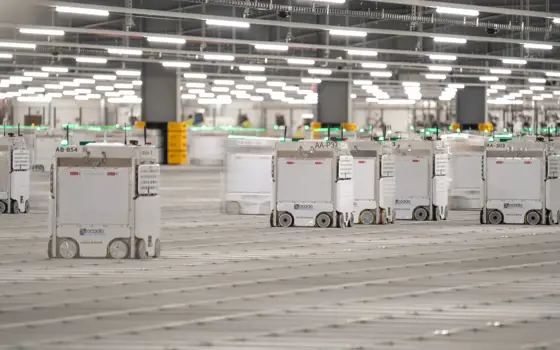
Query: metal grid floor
{"type": "Point", "coordinates": [228, 282]}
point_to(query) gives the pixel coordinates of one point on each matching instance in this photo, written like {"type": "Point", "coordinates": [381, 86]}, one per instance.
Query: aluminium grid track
{"type": "Point", "coordinates": [228, 282]}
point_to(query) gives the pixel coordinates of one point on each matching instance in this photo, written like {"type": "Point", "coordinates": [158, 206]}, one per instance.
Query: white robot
{"type": "Point", "coordinates": [421, 171]}
{"type": "Point", "coordinates": [104, 202]}
{"type": "Point", "coordinates": [247, 182]}
{"type": "Point", "coordinates": [14, 175]}
{"type": "Point", "coordinates": [312, 184]}
{"type": "Point", "coordinates": [520, 183]}
{"type": "Point", "coordinates": [374, 182]}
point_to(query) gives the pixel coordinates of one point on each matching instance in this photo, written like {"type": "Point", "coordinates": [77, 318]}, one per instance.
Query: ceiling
{"type": "Point", "coordinates": [396, 33]}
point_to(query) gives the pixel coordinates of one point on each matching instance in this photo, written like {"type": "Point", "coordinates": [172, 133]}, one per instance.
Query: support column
{"type": "Point", "coordinates": [334, 104]}
{"type": "Point", "coordinates": [161, 94]}
{"type": "Point", "coordinates": [471, 107]}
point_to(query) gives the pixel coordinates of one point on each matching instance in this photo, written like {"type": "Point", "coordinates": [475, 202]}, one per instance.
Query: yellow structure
{"type": "Point", "coordinates": [455, 127]}
{"type": "Point", "coordinates": [177, 143]}
{"type": "Point", "coordinates": [139, 124]}
{"type": "Point", "coordinates": [348, 126]}
{"type": "Point", "coordinates": [485, 127]}
{"type": "Point", "coordinates": [313, 126]}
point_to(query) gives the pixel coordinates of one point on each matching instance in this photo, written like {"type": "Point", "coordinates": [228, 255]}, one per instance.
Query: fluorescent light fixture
{"type": "Point", "coordinates": [215, 57]}
{"type": "Point", "coordinates": [82, 11]}
{"type": "Point", "coordinates": [514, 61]}
{"type": "Point", "coordinates": [440, 68]}
{"type": "Point", "coordinates": [104, 77]}
{"type": "Point", "coordinates": [498, 87]}
{"type": "Point", "coordinates": [224, 82]}
{"type": "Point", "coordinates": [36, 74]}
{"type": "Point", "coordinates": [123, 86]}
{"type": "Point", "coordinates": [220, 89]}
{"type": "Point", "coordinates": [224, 97]}
{"type": "Point", "coordinates": [257, 98]}
{"type": "Point", "coordinates": [166, 40]}
{"type": "Point", "coordinates": [537, 80]}
{"type": "Point", "coordinates": [84, 81]}
{"type": "Point", "coordinates": [305, 92]}
{"type": "Point", "coordinates": [457, 11]}
{"type": "Point", "coordinates": [17, 45]}
{"type": "Point", "coordinates": [25, 92]}
{"type": "Point", "coordinates": [263, 91]}
{"type": "Point", "coordinates": [54, 69]}
{"type": "Point", "coordinates": [290, 88]}
{"type": "Point", "coordinates": [69, 83]}
{"type": "Point", "coordinates": [500, 71]}
{"type": "Point", "coordinates": [436, 76]}
{"type": "Point", "coordinates": [311, 80]}
{"type": "Point", "coordinates": [16, 78]}
{"type": "Point", "coordinates": [252, 68]}
{"type": "Point", "coordinates": [93, 96]}
{"type": "Point", "coordinates": [188, 97]}
{"type": "Point", "coordinates": [443, 57]}
{"type": "Point", "coordinates": [126, 92]}
{"type": "Point", "coordinates": [272, 47]}
{"type": "Point", "coordinates": [351, 96]}
{"type": "Point", "coordinates": [319, 71]}
{"type": "Point", "coordinates": [537, 88]}
{"type": "Point", "coordinates": [129, 52]}
{"type": "Point", "coordinates": [553, 74]}
{"type": "Point", "coordinates": [36, 89]}
{"type": "Point", "coordinates": [275, 83]}
{"type": "Point", "coordinates": [450, 40]}
{"type": "Point", "coordinates": [37, 99]}
{"type": "Point", "coordinates": [380, 74]}
{"type": "Point", "coordinates": [255, 78]}
{"type": "Point", "coordinates": [176, 64]}
{"type": "Point", "coordinates": [362, 53]}
{"type": "Point", "coordinates": [104, 88]}
{"type": "Point", "coordinates": [54, 94]}
{"type": "Point", "coordinates": [363, 82]}
{"type": "Point", "coordinates": [456, 86]}
{"type": "Point", "coordinates": [195, 76]}
{"type": "Point", "coordinates": [53, 86]}
{"type": "Point", "coordinates": [137, 82]}
{"type": "Point", "coordinates": [301, 61]}
{"type": "Point", "coordinates": [410, 84]}
{"type": "Point", "coordinates": [526, 92]}
{"type": "Point", "coordinates": [196, 91]}
{"type": "Point", "coordinates": [6, 55]}
{"type": "Point", "coordinates": [488, 78]}
{"type": "Point", "coordinates": [195, 85]}
{"type": "Point", "coordinates": [538, 46]}
{"type": "Point", "coordinates": [371, 100]}
{"type": "Point", "coordinates": [341, 32]}
{"type": "Point", "coordinates": [374, 65]}
{"type": "Point", "coordinates": [546, 95]}
{"type": "Point", "coordinates": [244, 87]}
{"type": "Point", "coordinates": [128, 73]}
{"type": "Point", "coordinates": [125, 99]}
{"type": "Point", "coordinates": [212, 101]}
{"type": "Point", "coordinates": [396, 102]}
{"type": "Point", "coordinates": [69, 93]}
{"type": "Point", "coordinates": [50, 32]}
{"type": "Point", "coordinates": [81, 97]}
{"type": "Point", "coordinates": [94, 60]}
{"type": "Point", "coordinates": [557, 92]}
{"type": "Point", "coordinates": [222, 23]}
{"type": "Point", "coordinates": [538, 98]}
{"type": "Point", "coordinates": [238, 92]}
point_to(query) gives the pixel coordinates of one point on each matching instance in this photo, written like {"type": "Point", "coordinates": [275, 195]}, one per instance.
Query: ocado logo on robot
{"type": "Point", "coordinates": [513, 205]}
{"type": "Point", "coordinates": [91, 232]}
{"type": "Point", "coordinates": [302, 206]}
{"type": "Point", "coordinates": [403, 201]}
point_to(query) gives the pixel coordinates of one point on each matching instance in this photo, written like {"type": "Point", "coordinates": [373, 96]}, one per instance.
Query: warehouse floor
{"type": "Point", "coordinates": [229, 282]}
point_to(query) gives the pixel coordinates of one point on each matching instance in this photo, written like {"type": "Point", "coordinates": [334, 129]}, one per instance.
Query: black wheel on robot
{"type": "Point", "coordinates": [393, 216]}
{"type": "Point", "coordinates": [367, 217]}
{"type": "Point", "coordinates": [285, 219]}
{"type": "Point", "coordinates": [49, 249]}
{"type": "Point", "coordinates": [3, 207]}
{"type": "Point", "coordinates": [420, 214]}
{"type": "Point", "coordinates": [157, 249]}
{"type": "Point", "coordinates": [27, 206]}
{"type": "Point", "coordinates": [351, 221]}
{"type": "Point", "coordinates": [340, 222]}
{"type": "Point", "coordinates": [272, 220]}
{"type": "Point", "coordinates": [141, 250]}
{"type": "Point", "coordinates": [495, 217]}
{"type": "Point", "coordinates": [233, 208]}
{"type": "Point", "coordinates": [323, 220]}
{"type": "Point", "coordinates": [68, 249]}
{"type": "Point", "coordinates": [382, 216]}
{"type": "Point", "coordinates": [118, 249]}
{"type": "Point", "coordinates": [533, 218]}
{"type": "Point", "coordinates": [481, 216]}
{"type": "Point", "coordinates": [15, 207]}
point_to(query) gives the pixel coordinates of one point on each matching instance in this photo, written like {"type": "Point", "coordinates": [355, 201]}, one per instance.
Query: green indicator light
{"type": "Point", "coordinates": [381, 138]}
{"type": "Point", "coordinates": [117, 126]}
{"type": "Point", "coordinates": [389, 132]}
{"type": "Point", "coordinates": [362, 130]}
{"type": "Point", "coordinates": [491, 139]}
{"type": "Point", "coordinates": [422, 130]}
{"type": "Point", "coordinates": [458, 130]}
{"type": "Point", "coordinates": [449, 127]}
{"type": "Point", "coordinates": [64, 143]}
{"type": "Point", "coordinates": [275, 127]}
{"type": "Point", "coordinates": [307, 127]}
{"type": "Point", "coordinates": [412, 127]}
{"type": "Point", "coordinates": [505, 130]}
{"type": "Point", "coordinates": [370, 127]}
{"type": "Point", "coordinates": [296, 139]}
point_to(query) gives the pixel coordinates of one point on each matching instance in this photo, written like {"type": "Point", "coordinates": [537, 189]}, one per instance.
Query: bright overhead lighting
{"type": "Point", "coordinates": [538, 98]}
{"type": "Point", "coordinates": [319, 71]}
{"type": "Point", "coordinates": [176, 64]}
{"type": "Point", "coordinates": [380, 74]}
{"type": "Point", "coordinates": [553, 74]}
{"type": "Point", "coordinates": [195, 76]}
{"type": "Point", "coordinates": [305, 92]}
{"type": "Point", "coordinates": [538, 46]}
{"type": "Point", "coordinates": [557, 92]}
{"type": "Point", "coordinates": [301, 61]}
{"type": "Point", "coordinates": [255, 78]}
{"type": "Point", "coordinates": [440, 68]}
{"type": "Point", "coordinates": [436, 76]}
{"type": "Point", "coordinates": [196, 91]}
{"type": "Point", "coordinates": [238, 92]}
{"type": "Point", "coordinates": [311, 80]}
{"type": "Point", "coordinates": [396, 102]}
{"type": "Point", "coordinates": [137, 82]}
{"type": "Point", "coordinates": [252, 68]}
{"type": "Point", "coordinates": [513, 61]}
{"type": "Point", "coordinates": [498, 87]}
{"type": "Point", "coordinates": [526, 92]}
{"type": "Point", "coordinates": [50, 32]}
{"type": "Point", "coordinates": [263, 91]}
{"type": "Point", "coordinates": [272, 47]}
{"type": "Point", "coordinates": [371, 100]}
{"type": "Point", "coordinates": [362, 53]}
{"type": "Point", "coordinates": [81, 97]}
{"type": "Point", "coordinates": [54, 86]}
{"type": "Point", "coordinates": [220, 89]}
{"type": "Point", "coordinates": [500, 71]}
{"type": "Point", "coordinates": [457, 11]}
{"type": "Point", "coordinates": [341, 32]}
{"type": "Point", "coordinates": [515, 94]}
{"type": "Point", "coordinates": [104, 77]}
{"type": "Point", "coordinates": [126, 92]}
{"type": "Point", "coordinates": [6, 55]}
{"type": "Point", "coordinates": [374, 65]}
{"type": "Point", "coordinates": [54, 94]}
{"type": "Point", "coordinates": [17, 45]}
{"type": "Point", "coordinates": [456, 86]}
{"type": "Point", "coordinates": [537, 88]}
{"type": "Point", "coordinates": [556, 21]}
{"type": "Point", "coordinates": [214, 57]}
{"type": "Point", "coordinates": [290, 88]}
{"type": "Point", "coordinates": [38, 99]}
{"type": "Point", "coordinates": [537, 80]}
{"type": "Point", "coordinates": [450, 40]}
{"type": "Point", "coordinates": [123, 86]}
{"type": "Point", "coordinates": [443, 57]}
{"type": "Point", "coordinates": [244, 87]}
{"type": "Point", "coordinates": [129, 52]}
{"type": "Point", "coordinates": [224, 82]}
{"type": "Point", "coordinates": [128, 73]}
{"type": "Point", "coordinates": [492, 91]}
{"type": "Point", "coordinates": [125, 99]}
{"type": "Point", "coordinates": [36, 89]}
{"type": "Point", "coordinates": [165, 40]}
{"type": "Point", "coordinates": [212, 101]}
{"type": "Point", "coordinates": [488, 78]}
{"type": "Point", "coordinates": [257, 98]}
{"type": "Point", "coordinates": [188, 97]}
{"type": "Point", "coordinates": [55, 69]}
{"type": "Point", "coordinates": [222, 23]}
{"type": "Point", "coordinates": [363, 82]}
{"type": "Point", "coordinates": [69, 93]}
{"type": "Point", "coordinates": [332, 1]}
{"type": "Point", "coordinates": [93, 96]}
{"type": "Point", "coordinates": [410, 84]}
{"type": "Point", "coordinates": [95, 60]}
{"type": "Point", "coordinates": [195, 85]}
{"type": "Point", "coordinates": [84, 81]}
{"type": "Point", "coordinates": [82, 11]}
{"type": "Point", "coordinates": [275, 83]}
{"type": "Point", "coordinates": [36, 74]}
{"type": "Point", "coordinates": [104, 88]}
{"type": "Point", "coordinates": [25, 92]}
{"type": "Point", "coordinates": [70, 83]}
{"type": "Point", "coordinates": [547, 95]}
